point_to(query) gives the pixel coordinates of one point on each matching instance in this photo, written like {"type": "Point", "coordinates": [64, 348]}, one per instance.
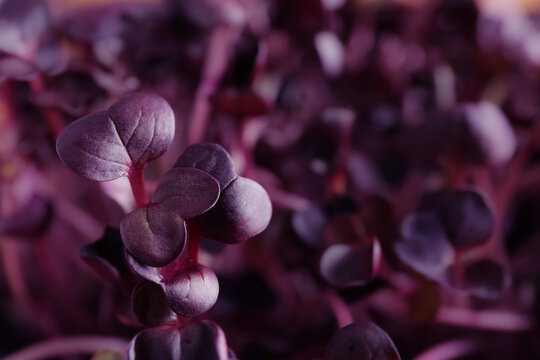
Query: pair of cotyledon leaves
{"type": "Point", "coordinates": [119, 142]}
{"type": "Point", "coordinates": [201, 340]}
{"type": "Point", "coordinates": [455, 221]}
{"type": "Point", "coordinates": [351, 257]}
{"type": "Point", "coordinates": [138, 129]}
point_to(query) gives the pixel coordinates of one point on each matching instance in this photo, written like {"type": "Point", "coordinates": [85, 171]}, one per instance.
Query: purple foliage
{"type": "Point", "coordinates": [302, 173]}
{"type": "Point", "coordinates": [361, 341]}
{"type": "Point", "coordinates": [242, 211]}
{"type": "Point", "coordinates": [110, 144]}
{"type": "Point", "coordinates": [192, 291]}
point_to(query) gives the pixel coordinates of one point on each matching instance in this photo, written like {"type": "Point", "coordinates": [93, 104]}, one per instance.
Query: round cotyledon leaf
{"type": "Point", "coordinates": [109, 144]}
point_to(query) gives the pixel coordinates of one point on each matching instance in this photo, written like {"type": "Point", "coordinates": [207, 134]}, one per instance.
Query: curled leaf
{"type": "Point", "coordinates": [30, 221]}
{"type": "Point", "coordinates": [484, 279]}
{"type": "Point", "coordinates": [151, 273]}
{"type": "Point", "coordinates": [467, 218]}
{"type": "Point", "coordinates": [106, 256]}
{"type": "Point", "coordinates": [491, 131]}
{"type": "Point", "coordinates": [309, 224]}
{"type": "Point", "coordinates": [109, 144]}
{"type": "Point", "coordinates": [150, 305]}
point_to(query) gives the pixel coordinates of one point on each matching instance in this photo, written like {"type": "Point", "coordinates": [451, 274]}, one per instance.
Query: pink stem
{"type": "Point", "coordinates": [214, 67]}
{"type": "Point", "coordinates": [194, 239]}
{"type": "Point", "coordinates": [13, 272]}
{"type": "Point", "coordinates": [449, 350]}
{"type": "Point", "coordinates": [495, 320]}
{"type": "Point", "coordinates": [69, 346]}
{"type": "Point", "coordinates": [339, 308]}
{"type": "Point", "coordinates": [136, 180]}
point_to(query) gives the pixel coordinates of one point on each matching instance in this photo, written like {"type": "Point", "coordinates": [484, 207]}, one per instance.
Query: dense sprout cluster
{"type": "Point", "coordinates": [269, 179]}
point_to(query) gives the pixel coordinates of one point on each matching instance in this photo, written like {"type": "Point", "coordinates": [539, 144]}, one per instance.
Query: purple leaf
{"type": "Point", "coordinates": [345, 265]}
{"type": "Point", "coordinates": [491, 132]}
{"type": "Point", "coordinates": [365, 341]}
{"type": "Point", "coordinates": [423, 245]}
{"type": "Point", "coordinates": [15, 68]}
{"type": "Point", "coordinates": [153, 235]}
{"type": "Point", "coordinates": [309, 224]}
{"type": "Point", "coordinates": [106, 256]}
{"type": "Point", "coordinates": [109, 144]}
{"type": "Point", "coordinates": [192, 291]}
{"type": "Point", "coordinates": [467, 218]}
{"type": "Point", "coordinates": [187, 192]}
{"type": "Point", "coordinates": [23, 24]}
{"type": "Point", "coordinates": [151, 273]}
{"type": "Point", "coordinates": [487, 278]}
{"type": "Point", "coordinates": [31, 220]}
{"type": "Point", "coordinates": [484, 279]}
{"type": "Point", "coordinates": [212, 158]}
{"type": "Point", "coordinates": [204, 340]}
{"type": "Point", "coordinates": [150, 305]}
{"type": "Point", "coordinates": [161, 343]}
{"type": "Point", "coordinates": [242, 211]}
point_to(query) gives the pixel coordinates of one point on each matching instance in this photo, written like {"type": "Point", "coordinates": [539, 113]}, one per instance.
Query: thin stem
{"type": "Point", "coordinates": [339, 308]}
{"type": "Point", "coordinates": [194, 239]}
{"type": "Point", "coordinates": [13, 271]}
{"type": "Point", "coordinates": [136, 180]}
{"type": "Point", "coordinates": [458, 271]}
{"type": "Point", "coordinates": [244, 150]}
{"type": "Point", "coordinates": [494, 320]}
{"type": "Point", "coordinates": [214, 67]}
{"type": "Point", "coordinates": [69, 346]}
{"type": "Point", "coordinates": [449, 350]}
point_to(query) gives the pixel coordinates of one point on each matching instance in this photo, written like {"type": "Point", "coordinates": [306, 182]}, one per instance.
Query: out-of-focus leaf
{"type": "Point", "coordinates": [361, 340]}
{"type": "Point", "coordinates": [345, 265]}
{"type": "Point", "coordinates": [424, 246]}
{"type": "Point", "coordinates": [106, 256]}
